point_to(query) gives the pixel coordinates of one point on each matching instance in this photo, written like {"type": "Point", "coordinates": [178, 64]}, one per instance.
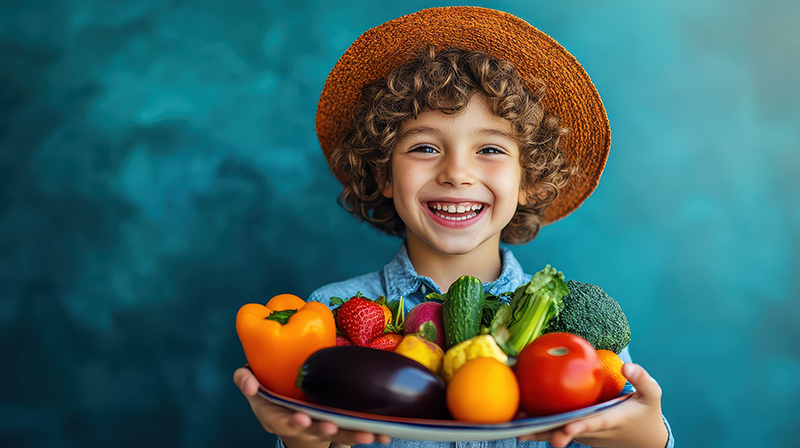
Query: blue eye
{"type": "Point", "coordinates": [490, 150]}
{"type": "Point", "coordinates": [424, 148]}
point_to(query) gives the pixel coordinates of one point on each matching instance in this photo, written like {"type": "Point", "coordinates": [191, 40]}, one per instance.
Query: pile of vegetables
{"type": "Point", "coordinates": [370, 356]}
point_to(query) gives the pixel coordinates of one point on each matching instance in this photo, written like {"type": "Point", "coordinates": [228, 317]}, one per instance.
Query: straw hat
{"type": "Point", "coordinates": [571, 94]}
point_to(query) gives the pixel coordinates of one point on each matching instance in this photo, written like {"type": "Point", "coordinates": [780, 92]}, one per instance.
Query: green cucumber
{"type": "Point", "coordinates": [463, 309]}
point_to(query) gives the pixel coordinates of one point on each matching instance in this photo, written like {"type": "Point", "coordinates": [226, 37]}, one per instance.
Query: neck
{"type": "Point", "coordinates": [483, 262]}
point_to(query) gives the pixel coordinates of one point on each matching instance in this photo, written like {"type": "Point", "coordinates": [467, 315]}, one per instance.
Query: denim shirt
{"type": "Point", "coordinates": [399, 278]}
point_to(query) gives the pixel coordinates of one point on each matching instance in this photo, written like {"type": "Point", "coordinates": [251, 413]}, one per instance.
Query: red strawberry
{"type": "Point", "coordinates": [360, 320]}
{"type": "Point", "coordinates": [341, 340]}
{"type": "Point", "coordinates": [388, 342]}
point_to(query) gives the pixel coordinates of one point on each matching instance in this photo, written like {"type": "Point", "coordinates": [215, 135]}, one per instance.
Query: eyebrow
{"type": "Point", "coordinates": [493, 132]}
{"type": "Point", "coordinates": [421, 130]}
{"type": "Point", "coordinates": [413, 132]}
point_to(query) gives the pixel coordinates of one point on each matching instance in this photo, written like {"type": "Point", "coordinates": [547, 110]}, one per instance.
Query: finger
{"type": "Point", "coordinates": [279, 420]}
{"type": "Point", "coordinates": [592, 425]}
{"type": "Point", "coordinates": [274, 419]}
{"type": "Point", "coordinates": [246, 381]}
{"type": "Point", "coordinates": [300, 420]}
{"type": "Point", "coordinates": [327, 428]}
{"type": "Point", "coordinates": [383, 439]}
{"type": "Point", "coordinates": [646, 386]}
{"type": "Point", "coordinates": [560, 439]}
{"type": "Point", "coordinates": [555, 437]}
{"type": "Point", "coordinates": [286, 422]}
{"type": "Point", "coordinates": [248, 385]}
{"type": "Point", "coordinates": [535, 437]}
{"type": "Point", "coordinates": [364, 438]}
{"type": "Point", "coordinates": [584, 431]}
{"type": "Point", "coordinates": [348, 437]}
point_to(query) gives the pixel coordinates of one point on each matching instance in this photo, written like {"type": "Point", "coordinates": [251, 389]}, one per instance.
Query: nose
{"type": "Point", "coordinates": [456, 170]}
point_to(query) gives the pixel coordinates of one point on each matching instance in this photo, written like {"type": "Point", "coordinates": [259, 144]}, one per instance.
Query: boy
{"type": "Point", "coordinates": [438, 126]}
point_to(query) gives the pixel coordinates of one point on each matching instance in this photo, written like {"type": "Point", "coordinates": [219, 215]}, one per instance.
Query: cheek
{"type": "Point", "coordinates": [513, 186]}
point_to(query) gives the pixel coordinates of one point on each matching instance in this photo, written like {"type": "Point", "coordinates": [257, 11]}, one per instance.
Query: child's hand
{"type": "Point", "coordinates": [296, 429]}
{"type": "Point", "coordinates": [636, 422]}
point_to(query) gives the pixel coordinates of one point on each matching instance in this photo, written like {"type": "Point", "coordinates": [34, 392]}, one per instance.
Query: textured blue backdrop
{"type": "Point", "coordinates": [159, 168]}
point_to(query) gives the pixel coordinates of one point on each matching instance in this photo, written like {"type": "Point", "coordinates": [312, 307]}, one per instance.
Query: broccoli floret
{"type": "Point", "coordinates": [593, 315]}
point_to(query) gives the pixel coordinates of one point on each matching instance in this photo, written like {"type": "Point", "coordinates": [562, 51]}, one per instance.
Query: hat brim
{"type": "Point", "coordinates": [572, 97]}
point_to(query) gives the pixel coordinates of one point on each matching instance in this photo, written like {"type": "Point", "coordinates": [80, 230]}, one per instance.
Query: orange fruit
{"type": "Point", "coordinates": [484, 390]}
{"type": "Point", "coordinates": [613, 379]}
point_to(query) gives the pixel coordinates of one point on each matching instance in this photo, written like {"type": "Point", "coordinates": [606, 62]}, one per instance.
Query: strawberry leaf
{"type": "Point", "coordinates": [398, 315]}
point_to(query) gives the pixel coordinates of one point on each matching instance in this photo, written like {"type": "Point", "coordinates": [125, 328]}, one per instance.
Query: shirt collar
{"type": "Point", "coordinates": [402, 279]}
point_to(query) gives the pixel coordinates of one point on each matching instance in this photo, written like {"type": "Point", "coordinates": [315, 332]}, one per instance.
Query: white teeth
{"type": "Point", "coordinates": [459, 208]}
{"type": "Point", "coordinates": [458, 218]}
{"type": "Point", "coordinates": [448, 207]}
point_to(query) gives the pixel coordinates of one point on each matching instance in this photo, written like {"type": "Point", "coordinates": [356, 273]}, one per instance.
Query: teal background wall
{"type": "Point", "coordinates": [159, 169]}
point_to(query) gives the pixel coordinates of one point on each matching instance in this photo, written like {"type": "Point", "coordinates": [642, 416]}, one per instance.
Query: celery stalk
{"type": "Point", "coordinates": [517, 324]}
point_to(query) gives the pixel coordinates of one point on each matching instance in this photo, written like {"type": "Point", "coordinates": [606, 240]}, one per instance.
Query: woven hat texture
{"type": "Point", "coordinates": [572, 96]}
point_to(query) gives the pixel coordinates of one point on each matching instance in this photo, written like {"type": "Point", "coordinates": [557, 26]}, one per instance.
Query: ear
{"type": "Point", "coordinates": [386, 191]}
{"type": "Point", "coordinates": [524, 197]}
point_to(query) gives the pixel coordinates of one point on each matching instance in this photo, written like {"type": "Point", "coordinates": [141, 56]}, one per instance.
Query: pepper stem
{"type": "Point", "coordinates": [281, 316]}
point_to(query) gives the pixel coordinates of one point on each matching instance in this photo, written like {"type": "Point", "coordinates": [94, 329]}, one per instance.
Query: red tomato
{"type": "Point", "coordinates": [558, 372]}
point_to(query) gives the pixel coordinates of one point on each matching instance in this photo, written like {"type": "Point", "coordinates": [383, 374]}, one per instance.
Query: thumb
{"type": "Point", "coordinates": [246, 381]}
{"type": "Point", "coordinates": [646, 386]}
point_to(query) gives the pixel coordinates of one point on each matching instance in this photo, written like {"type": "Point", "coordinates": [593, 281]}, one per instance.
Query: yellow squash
{"type": "Point", "coordinates": [479, 346]}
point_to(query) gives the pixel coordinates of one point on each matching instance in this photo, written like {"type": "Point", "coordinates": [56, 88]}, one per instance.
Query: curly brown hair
{"type": "Point", "coordinates": [446, 81]}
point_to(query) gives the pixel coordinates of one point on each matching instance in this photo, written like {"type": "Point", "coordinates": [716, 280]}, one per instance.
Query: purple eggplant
{"type": "Point", "coordinates": [374, 381]}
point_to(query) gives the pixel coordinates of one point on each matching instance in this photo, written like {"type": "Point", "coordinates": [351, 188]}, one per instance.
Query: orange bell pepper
{"type": "Point", "coordinates": [279, 336]}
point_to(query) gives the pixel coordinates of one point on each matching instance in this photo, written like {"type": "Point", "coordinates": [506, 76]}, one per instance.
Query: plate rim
{"type": "Point", "coordinates": [439, 430]}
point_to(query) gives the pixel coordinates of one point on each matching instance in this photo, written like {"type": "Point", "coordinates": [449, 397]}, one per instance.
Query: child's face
{"type": "Point", "coordinates": [455, 179]}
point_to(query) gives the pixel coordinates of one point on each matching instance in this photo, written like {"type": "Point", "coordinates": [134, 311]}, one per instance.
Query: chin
{"type": "Point", "coordinates": [455, 251]}
{"type": "Point", "coordinates": [455, 248]}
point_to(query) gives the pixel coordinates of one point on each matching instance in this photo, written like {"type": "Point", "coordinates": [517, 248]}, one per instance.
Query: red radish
{"type": "Point", "coordinates": [426, 312]}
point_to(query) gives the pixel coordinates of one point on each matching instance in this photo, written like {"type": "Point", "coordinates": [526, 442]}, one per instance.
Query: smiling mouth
{"type": "Point", "coordinates": [456, 211]}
